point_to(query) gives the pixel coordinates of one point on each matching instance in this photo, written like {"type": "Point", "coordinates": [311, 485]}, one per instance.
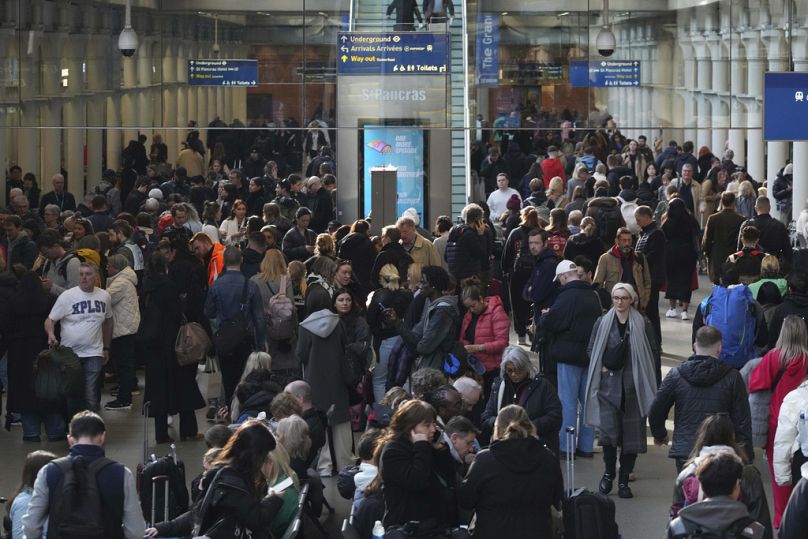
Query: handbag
{"type": "Point", "coordinates": [192, 343]}
{"type": "Point", "coordinates": [232, 331]}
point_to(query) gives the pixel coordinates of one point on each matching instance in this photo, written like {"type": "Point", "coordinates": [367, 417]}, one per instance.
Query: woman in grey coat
{"type": "Point", "coordinates": [621, 385]}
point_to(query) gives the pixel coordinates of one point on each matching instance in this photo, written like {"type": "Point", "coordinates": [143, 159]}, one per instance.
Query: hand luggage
{"type": "Point", "coordinates": [585, 514]}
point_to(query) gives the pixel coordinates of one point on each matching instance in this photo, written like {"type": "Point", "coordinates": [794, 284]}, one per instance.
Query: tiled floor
{"type": "Point", "coordinates": [642, 517]}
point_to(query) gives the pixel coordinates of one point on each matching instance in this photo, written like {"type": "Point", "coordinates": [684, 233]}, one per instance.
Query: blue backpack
{"type": "Point", "coordinates": [731, 310]}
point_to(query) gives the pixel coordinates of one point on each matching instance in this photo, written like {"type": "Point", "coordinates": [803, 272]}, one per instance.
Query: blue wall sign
{"type": "Point", "coordinates": [404, 53]}
{"type": "Point", "coordinates": [487, 49]}
{"type": "Point", "coordinates": [403, 148]}
{"type": "Point", "coordinates": [785, 106]}
{"type": "Point", "coordinates": [226, 72]}
{"type": "Point", "coordinates": [605, 73]}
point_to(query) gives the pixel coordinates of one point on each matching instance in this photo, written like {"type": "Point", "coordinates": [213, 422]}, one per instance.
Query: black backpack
{"type": "Point", "coordinates": [450, 255]}
{"type": "Point", "coordinates": [743, 528]}
{"type": "Point", "coordinates": [78, 511]}
{"type": "Point", "coordinates": [607, 220]}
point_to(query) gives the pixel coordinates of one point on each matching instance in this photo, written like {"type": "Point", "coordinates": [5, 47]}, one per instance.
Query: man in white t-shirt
{"type": "Point", "coordinates": [498, 200]}
{"type": "Point", "coordinates": [84, 314]}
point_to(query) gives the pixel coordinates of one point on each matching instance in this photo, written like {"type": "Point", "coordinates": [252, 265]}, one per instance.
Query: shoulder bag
{"type": "Point", "coordinates": [233, 331]}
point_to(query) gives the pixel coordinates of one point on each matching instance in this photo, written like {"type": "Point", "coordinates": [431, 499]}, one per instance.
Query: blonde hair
{"type": "Point", "coordinates": [395, 397]}
{"type": "Point", "coordinates": [257, 361]}
{"type": "Point", "coordinates": [578, 168]}
{"type": "Point", "coordinates": [793, 341]}
{"type": "Point", "coordinates": [770, 267]}
{"type": "Point", "coordinates": [589, 226]}
{"type": "Point", "coordinates": [513, 423]}
{"type": "Point", "coordinates": [414, 276]}
{"type": "Point", "coordinates": [628, 288]}
{"type": "Point", "coordinates": [280, 464]}
{"type": "Point", "coordinates": [746, 189]}
{"type": "Point", "coordinates": [293, 433]}
{"type": "Point", "coordinates": [389, 277]}
{"type": "Point", "coordinates": [324, 245]}
{"type": "Point", "coordinates": [297, 272]}
{"type": "Point", "coordinates": [273, 266]}
{"type": "Point", "coordinates": [556, 187]}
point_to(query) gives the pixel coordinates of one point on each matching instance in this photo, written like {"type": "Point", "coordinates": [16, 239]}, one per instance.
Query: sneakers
{"type": "Point", "coordinates": [684, 316]}
{"type": "Point", "coordinates": [117, 405]}
{"type": "Point", "coordinates": [672, 313]}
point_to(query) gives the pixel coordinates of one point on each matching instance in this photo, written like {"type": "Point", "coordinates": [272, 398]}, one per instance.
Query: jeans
{"type": "Point", "coordinates": [93, 367]}
{"type": "Point", "coordinates": [380, 372]}
{"type": "Point", "coordinates": [572, 393]}
{"type": "Point", "coordinates": [123, 353]}
{"type": "Point", "coordinates": [54, 425]}
{"type": "Point", "coordinates": [520, 307]}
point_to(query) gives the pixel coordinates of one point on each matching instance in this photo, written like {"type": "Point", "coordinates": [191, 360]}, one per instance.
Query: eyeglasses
{"type": "Point", "coordinates": [621, 298]}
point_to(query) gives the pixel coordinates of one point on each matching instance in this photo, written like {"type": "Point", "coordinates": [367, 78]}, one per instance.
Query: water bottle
{"type": "Point", "coordinates": [378, 530]}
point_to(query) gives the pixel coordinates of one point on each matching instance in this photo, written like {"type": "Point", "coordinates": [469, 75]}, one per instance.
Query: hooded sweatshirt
{"type": "Point", "coordinates": [715, 515]}
{"type": "Point", "coordinates": [321, 323]}
{"type": "Point", "coordinates": [432, 338]}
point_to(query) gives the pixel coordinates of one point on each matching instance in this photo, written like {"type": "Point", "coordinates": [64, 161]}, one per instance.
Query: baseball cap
{"type": "Point", "coordinates": [563, 267]}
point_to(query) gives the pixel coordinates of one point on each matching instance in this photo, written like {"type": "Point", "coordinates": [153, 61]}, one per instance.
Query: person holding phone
{"type": "Point", "coordinates": [239, 478]}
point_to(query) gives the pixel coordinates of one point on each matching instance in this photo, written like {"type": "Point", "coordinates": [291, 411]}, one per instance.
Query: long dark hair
{"type": "Point", "coordinates": [246, 451]}
{"type": "Point", "coordinates": [34, 462]}
{"type": "Point", "coordinates": [716, 429]}
{"type": "Point", "coordinates": [354, 304]}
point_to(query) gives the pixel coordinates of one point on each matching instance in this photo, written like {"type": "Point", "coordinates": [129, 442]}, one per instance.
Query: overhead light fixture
{"type": "Point", "coordinates": [504, 13]}
{"type": "Point", "coordinates": [564, 14]}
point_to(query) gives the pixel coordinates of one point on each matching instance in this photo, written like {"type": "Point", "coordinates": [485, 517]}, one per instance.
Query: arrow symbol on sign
{"type": "Point", "coordinates": [253, 83]}
{"type": "Point", "coordinates": [344, 49]}
{"type": "Point", "coordinates": [344, 58]}
{"type": "Point", "coordinates": [344, 39]}
{"type": "Point", "coordinates": [636, 63]}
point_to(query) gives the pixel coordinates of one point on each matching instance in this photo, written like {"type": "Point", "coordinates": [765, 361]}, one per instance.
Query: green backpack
{"type": "Point", "coordinates": [58, 375]}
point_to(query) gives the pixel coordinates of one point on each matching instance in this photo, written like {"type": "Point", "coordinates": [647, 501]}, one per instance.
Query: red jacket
{"type": "Point", "coordinates": [493, 332]}
{"type": "Point", "coordinates": [762, 377]}
{"type": "Point", "coordinates": [550, 168]}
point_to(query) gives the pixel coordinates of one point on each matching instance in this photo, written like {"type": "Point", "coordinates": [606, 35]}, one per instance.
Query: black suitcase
{"type": "Point", "coordinates": [585, 514]}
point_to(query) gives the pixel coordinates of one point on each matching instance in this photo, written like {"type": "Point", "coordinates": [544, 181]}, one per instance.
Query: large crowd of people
{"type": "Point", "coordinates": [387, 360]}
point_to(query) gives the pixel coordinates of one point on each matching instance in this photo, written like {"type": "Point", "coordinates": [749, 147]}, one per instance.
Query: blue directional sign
{"type": "Point", "coordinates": [605, 73]}
{"type": "Point", "coordinates": [405, 53]}
{"type": "Point", "coordinates": [215, 72]}
{"type": "Point", "coordinates": [785, 106]}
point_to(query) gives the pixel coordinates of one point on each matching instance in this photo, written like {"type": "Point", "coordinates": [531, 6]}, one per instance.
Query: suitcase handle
{"type": "Point", "coordinates": [570, 460]}
{"type": "Point", "coordinates": [155, 480]}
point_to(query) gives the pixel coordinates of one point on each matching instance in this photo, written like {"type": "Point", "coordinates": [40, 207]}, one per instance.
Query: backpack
{"type": "Point", "coordinates": [744, 527]}
{"type": "Point", "coordinates": [58, 375]}
{"type": "Point", "coordinates": [61, 269]}
{"type": "Point", "coordinates": [731, 311]}
{"type": "Point", "coordinates": [280, 315]}
{"type": "Point", "coordinates": [607, 220]}
{"type": "Point", "coordinates": [450, 255]}
{"type": "Point", "coordinates": [78, 510]}
{"type": "Point", "coordinates": [557, 241]}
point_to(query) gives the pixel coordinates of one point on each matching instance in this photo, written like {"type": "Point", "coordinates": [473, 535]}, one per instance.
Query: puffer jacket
{"type": "Point", "coordinates": [699, 387]}
{"type": "Point", "coordinates": [125, 310]}
{"type": "Point", "coordinates": [568, 324]}
{"type": "Point", "coordinates": [433, 336]}
{"type": "Point", "coordinates": [492, 332]}
{"type": "Point", "coordinates": [762, 379]}
{"type": "Point", "coordinates": [789, 431]}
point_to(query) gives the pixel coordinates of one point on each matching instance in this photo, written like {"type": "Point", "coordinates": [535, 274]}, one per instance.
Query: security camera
{"type": "Point", "coordinates": [216, 48]}
{"type": "Point", "coordinates": [605, 42]}
{"type": "Point", "coordinates": [127, 42]}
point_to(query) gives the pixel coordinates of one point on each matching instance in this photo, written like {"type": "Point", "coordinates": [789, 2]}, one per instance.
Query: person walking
{"type": "Point", "coordinates": [781, 371]}
{"type": "Point", "coordinates": [517, 266]}
{"type": "Point", "coordinates": [720, 235]}
{"type": "Point", "coordinates": [621, 264]}
{"type": "Point", "coordinates": [620, 385]}
{"type": "Point", "coordinates": [568, 327]}
{"type": "Point", "coordinates": [701, 386]}
{"type": "Point", "coordinates": [681, 255]}
{"type": "Point", "coordinates": [651, 244]}
{"type": "Point", "coordinates": [122, 287]}
{"type": "Point", "coordinates": [84, 314]}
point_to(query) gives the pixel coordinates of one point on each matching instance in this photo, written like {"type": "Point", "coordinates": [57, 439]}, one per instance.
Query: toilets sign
{"type": "Point", "coordinates": [785, 106]}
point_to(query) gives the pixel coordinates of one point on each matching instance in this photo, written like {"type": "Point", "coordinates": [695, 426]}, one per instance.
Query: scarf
{"type": "Point", "coordinates": [641, 365]}
{"type": "Point", "coordinates": [318, 279]}
{"type": "Point", "coordinates": [619, 254]}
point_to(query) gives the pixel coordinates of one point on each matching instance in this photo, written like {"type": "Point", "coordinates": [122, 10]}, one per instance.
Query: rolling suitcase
{"type": "Point", "coordinates": [585, 514]}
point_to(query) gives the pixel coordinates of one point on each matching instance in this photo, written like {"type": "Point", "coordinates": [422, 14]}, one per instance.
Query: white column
{"type": "Point", "coordinates": [52, 140]}
{"type": "Point", "coordinates": [28, 147]}
{"type": "Point", "coordinates": [737, 133]}
{"type": "Point", "coordinates": [114, 132]}
{"type": "Point", "coordinates": [95, 138]}
{"type": "Point", "coordinates": [754, 89]}
{"type": "Point", "coordinates": [778, 61]}
{"type": "Point", "coordinates": [170, 135]}
{"type": "Point", "coordinates": [720, 112]}
{"type": "Point", "coordinates": [799, 47]}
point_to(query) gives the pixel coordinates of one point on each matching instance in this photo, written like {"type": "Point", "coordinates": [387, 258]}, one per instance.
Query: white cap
{"type": "Point", "coordinates": [565, 266]}
{"type": "Point", "coordinates": [789, 169]}
{"type": "Point", "coordinates": [156, 193]}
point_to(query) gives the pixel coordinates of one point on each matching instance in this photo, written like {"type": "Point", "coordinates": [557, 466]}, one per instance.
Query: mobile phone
{"type": "Point", "coordinates": [283, 485]}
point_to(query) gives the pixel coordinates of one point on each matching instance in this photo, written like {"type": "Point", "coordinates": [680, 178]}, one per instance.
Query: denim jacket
{"type": "Point", "coordinates": [224, 301]}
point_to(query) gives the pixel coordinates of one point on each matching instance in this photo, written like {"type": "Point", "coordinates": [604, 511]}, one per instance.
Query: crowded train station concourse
{"type": "Point", "coordinates": [404, 268]}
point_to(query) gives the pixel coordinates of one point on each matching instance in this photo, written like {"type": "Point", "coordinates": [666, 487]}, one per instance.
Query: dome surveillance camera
{"type": "Point", "coordinates": [216, 48]}
{"type": "Point", "coordinates": [605, 42]}
{"type": "Point", "coordinates": [127, 41]}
